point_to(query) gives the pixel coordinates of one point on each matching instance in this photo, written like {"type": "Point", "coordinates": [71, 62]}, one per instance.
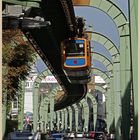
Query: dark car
{"type": "Point", "coordinates": [99, 135]}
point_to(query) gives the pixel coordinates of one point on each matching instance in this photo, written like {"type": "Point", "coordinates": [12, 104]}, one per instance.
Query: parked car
{"type": "Point", "coordinates": [57, 136]}
{"type": "Point", "coordinates": [99, 135]}
{"type": "Point", "coordinates": [91, 134]}
{"type": "Point", "coordinates": [79, 134]}
{"type": "Point", "coordinates": [70, 135]}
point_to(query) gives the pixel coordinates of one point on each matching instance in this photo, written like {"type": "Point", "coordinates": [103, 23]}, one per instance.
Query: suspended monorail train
{"type": "Point", "coordinates": [76, 59]}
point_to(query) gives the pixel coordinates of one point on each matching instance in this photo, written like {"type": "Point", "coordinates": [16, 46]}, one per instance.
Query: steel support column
{"type": "Point", "coordinates": [85, 108]}
{"type": "Point", "coordinates": [117, 97]}
{"type": "Point", "coordinates": [110, 106]}
{"type": "Point", "coordinates": [41, 118]}
{"type": "Point", "coordinates": [76, 117]}
{"type": "Point", "coordinates": [46, 114]}
{"type": "Point", "coordinates": [135, 58]}
{"type": "Point", "coordinates": [70, 118]}
{"type": "Point", "coordinates": [58, 119]}
{"type": "Point", "coordinates": [125, 85]}
{"type": "Point", "coordinates": [51, 112]}
{"type": "Point", "coordinates": [66, 119]}
{"type": "Point", "coordinates": [63, 121]}
{"type": "Point", "coordinates": [21, 106]}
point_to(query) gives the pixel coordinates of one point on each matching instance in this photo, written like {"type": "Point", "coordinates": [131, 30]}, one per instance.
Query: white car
{"type": "Point", "coordinates": [79, 135]}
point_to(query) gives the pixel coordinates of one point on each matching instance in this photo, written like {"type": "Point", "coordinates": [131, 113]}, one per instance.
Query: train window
{"type": "Point", "coordinates": [75, 49]}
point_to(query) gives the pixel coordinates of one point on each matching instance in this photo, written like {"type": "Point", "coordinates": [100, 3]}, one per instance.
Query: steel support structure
{"type": "Point", "coordinates": [70, 118]}
{"type": "Point", "coordinates": [133, 23]}
{"type": "Point", "coordinates": [21, 106]}
{"type": "Point", "coordinates": [58, 119]}
{"type": "Point", "coordinates": [36, 101]}
{"type": "Point", "coordinates": [118, 17]}
{"type": "Point", "coordinates": [94, 102]}
{"type": "Point", "coordinates": [76, 116]}
{"type": "Point", "coordinates": [85, 114]}
{"type": "Point", "coordinates": [66, 119]}
{"type": "Point", "coordinates": [62, 119]}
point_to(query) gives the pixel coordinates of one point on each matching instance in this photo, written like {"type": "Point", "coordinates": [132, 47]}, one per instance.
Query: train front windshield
{"type": "Point", "coordinates": [75, 48]}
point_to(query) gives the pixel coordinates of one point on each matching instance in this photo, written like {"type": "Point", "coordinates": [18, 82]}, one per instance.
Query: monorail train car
{"type": "Point", "coordinates": [76, 59]}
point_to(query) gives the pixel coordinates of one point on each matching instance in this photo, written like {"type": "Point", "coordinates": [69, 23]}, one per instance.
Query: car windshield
{"type": "Point", "coordinates": [74, 49]}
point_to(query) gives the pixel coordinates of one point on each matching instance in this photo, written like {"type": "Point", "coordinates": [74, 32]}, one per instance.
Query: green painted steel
{"type": "Point", "coordinates": [36, 85]}
{"type": "Point", "coordinates": [27, 3]}
{"type": "Point", "coordinates": [111, 9]}
{"type": "Point", "coordinates": [94, 102]}
{"type": "Point", "coordinates": [35, 105]}
{"type": "Point", "coordinates": [102, 74]}
{"type": "Point", "coordinates": [103, 60]}
{"type": "Point", "coordinates": [58, 119]}
{"type": "Point", "coordinates": [117, 98]}
{"type": "Point", "coordinates": [134, 44]}
{"type": "Point", "coordinates": [49, 99]}
{"type": "Point", "coordinates": [41, 118]}
{"type": "Point", "coordinates": [70, 118]}
{"type": "Point", "coordinates": [110, 106]}
{"type": "Point", "coordinates": [66, 119]}
{"type": "Point", "coordinates": [46, 114]}
{"type": "Point", "coordinates": [76, 116]}
{"type": "Point", "coordinates": [85, 108]}
{"type": "Point", "coordinates": [105, 41]}
{"type": "Point", "coordinates": [21, 106]}
{"type": "Point", "coordinates": [119, 18]}
{"type": "Point", "coordinates": [63, 121]}
{"type": "Point", "coordinates": [100, 88]}
{"type": "Point", "coordinates": [124, 95]}
{"type": "Point", "coordinates": [110, 92]}
{"type": "Point", "coordinates": [51, 112]}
